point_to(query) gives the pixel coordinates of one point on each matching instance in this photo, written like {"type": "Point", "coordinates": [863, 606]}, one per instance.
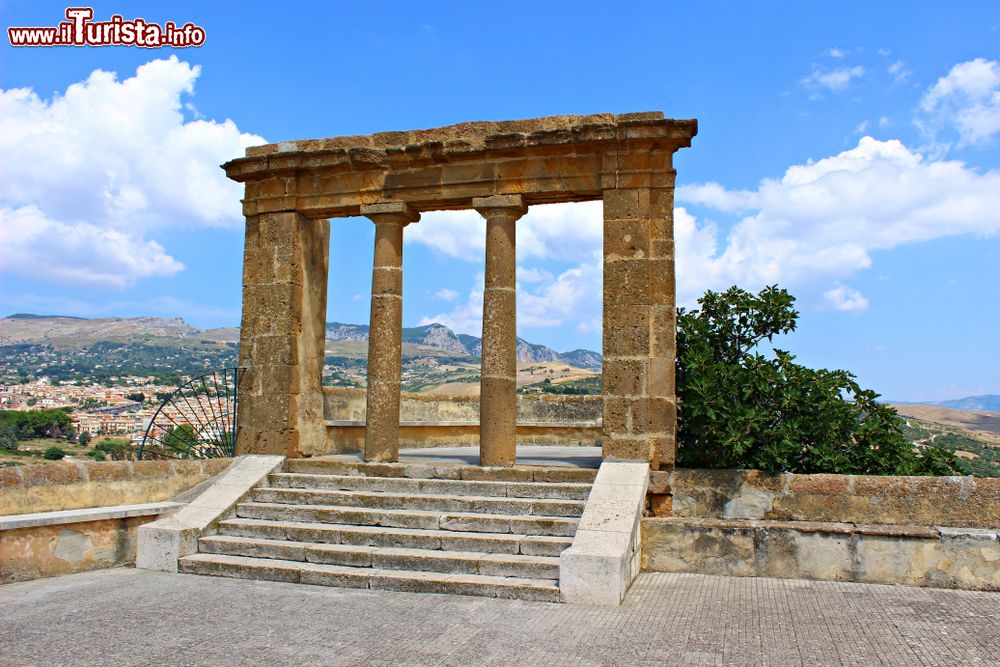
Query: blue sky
{"type": "Point", "coordinates": [846, 151]}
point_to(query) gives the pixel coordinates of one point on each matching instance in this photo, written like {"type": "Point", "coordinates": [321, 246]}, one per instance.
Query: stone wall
{"type": "Point", "coordinates": [921, 531]}
{"type": "Point", "coordinates": [49, 551]}
{"type": "Point", "coordinates": [66, 485]}
{"type": "Point", "coordinates": [969, 502]}
{"type": "Point", "coordinates": [342, 403]}
{"type": "Point", "coordinates": [438, 420]}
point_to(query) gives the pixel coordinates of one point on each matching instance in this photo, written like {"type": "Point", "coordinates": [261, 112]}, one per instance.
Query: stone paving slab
{"type": "Point", "coordinates": [136, 617]}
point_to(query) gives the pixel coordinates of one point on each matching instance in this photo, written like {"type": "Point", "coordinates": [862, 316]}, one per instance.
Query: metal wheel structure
{"type": "Point", "coordinates": [197, 421]}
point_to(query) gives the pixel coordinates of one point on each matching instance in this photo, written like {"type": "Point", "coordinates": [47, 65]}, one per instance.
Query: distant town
{"type": "Point", "coordinates": [121, 410]}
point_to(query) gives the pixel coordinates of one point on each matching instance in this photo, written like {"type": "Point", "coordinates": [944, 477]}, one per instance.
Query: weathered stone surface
{"type": "Point", "coordinates": [968, 502]}
{"type": "Point", "coordinates": [910, 555]}
{"type": "Point", "coordinates": [69, 485]}
{"type": "Point", "coordinates": [385, 348]}
{"type": "Point", "coordinates": [286, 260]}
{"type": "Point", "coordinates": [161, 543]}
{"type": "Point", "coordinates": [498, 168]}
{"type": "Point", "coordinates": [49, 544]}
{"type": "Point", "coordinates": [603, 561]}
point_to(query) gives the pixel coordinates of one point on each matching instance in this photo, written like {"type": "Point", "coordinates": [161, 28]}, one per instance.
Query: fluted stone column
{"type": "Point", "coordinates": [498, 377]}
{"type": "Point", "coordinates": [386, 330]}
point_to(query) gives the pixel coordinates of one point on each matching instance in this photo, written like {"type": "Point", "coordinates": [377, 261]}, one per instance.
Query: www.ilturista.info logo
{"type": "Point", "coordinates": [81, 30]}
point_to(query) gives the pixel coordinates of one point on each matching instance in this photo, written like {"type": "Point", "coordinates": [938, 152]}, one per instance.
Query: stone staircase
{"type": "Point", "coordinates": [494, 532]}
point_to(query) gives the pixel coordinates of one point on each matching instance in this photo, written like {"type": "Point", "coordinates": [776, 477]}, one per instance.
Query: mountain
{"type": "Point", "coordinates": [983, 403]}
{"type": "Point", "coordinates": [440, 337]}
{"type": "Point", "coordinates": [341, 331]}
{"type": "Point", "coordinates": [436, 336]}
{"type": "Point", "coordinates": [70, 347]}
{"type": "Point", "coordinates": [61, 331]}
{"type": "Point", "coordinates": [583, 359]}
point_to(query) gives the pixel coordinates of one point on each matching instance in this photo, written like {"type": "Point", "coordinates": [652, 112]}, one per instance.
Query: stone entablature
{"type": "Point", "coordinates": [552, 159]}
{"type": "Point", "coordinates": [498, 169]}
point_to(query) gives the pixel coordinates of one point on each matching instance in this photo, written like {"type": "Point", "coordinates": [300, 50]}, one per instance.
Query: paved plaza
{"type": "Point", "coordinates": [133, 617]}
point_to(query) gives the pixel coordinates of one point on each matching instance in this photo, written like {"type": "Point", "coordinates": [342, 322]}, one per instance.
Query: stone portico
{"type": "Point", "coordinates": [499, 169]}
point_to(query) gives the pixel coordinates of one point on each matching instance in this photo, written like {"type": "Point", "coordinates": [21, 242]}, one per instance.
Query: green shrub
{"type": "Point", "coordinates": [740, 408]}
{"type": "Point", "coordinates": [53, 454]}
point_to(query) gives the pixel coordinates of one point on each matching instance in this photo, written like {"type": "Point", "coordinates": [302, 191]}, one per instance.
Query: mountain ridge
{"type": "Point", "coordinates": [72, 332]}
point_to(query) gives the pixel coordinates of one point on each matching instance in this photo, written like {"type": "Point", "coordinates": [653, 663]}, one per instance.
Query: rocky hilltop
{"type": "Point", "coordinates": [62, 331]}
{"type": "Point", "coordinates": [69, 334]}
{"type": "Point", "coordinates": [440, 337]}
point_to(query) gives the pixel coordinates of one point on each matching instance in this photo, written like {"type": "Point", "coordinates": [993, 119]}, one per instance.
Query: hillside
{"type": "Point", "coordinates": [440, 337]}
{"type": "Point", "coordinates": [973, 436]}
{"type": "Point", "coordinates": [982, 403]}
{"type": "Point", "coordinates": [976, 422]}
{"type": "Point", "coordinates": [100, 349]}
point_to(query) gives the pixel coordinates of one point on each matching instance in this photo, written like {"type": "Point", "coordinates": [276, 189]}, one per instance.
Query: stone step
{"type": "Point", "coordinates": [373, 578]}
{"type": "Point", "coordinates": [387, 558]}
{"type": "Point", "coordinates": [407, 518]}
{"type": "Point", "coordinates": [410, 538]}
{"type": "Point", "coordinates": [519, 473]}
{"type": "Point", "coordinates": [421, 502]}
{"type": "Point", "coordinates": [443, 487]}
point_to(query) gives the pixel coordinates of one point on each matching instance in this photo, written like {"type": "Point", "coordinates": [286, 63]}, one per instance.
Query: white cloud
{"type": "Point", "coordinates": [835, 53]}
{"type": "Point", "coordinates": [836, 79]}
{"type": "Point", "coordinates": [862, 127]}
{"type": "Point", "coordinates": [446, 294]}
{"type": "Point", "coordinates": [846, 299]}
{"type": "Point", "coordinates": [967, 98]}
{"type": "Point", "coordinates": [80, 254]}
{"type": "Point", "coordinates": [466, 317]}
{"type": "Point", "coordinates": [103, 165]}
{"type": "Point", "coordinates": [562, 232]}
{"type": "Point", "coordinates": [572, 297]}
{"type": "Point", "coordinates": [820, 222]}
{"type": "Point", "coordinates": [532, 275]}
{"type": "Point", "coordinates": [899, 71]}
{"type": "Point", "coordinates": [547, 235]}
{"type": "Point", "coordinates": [884, 122]}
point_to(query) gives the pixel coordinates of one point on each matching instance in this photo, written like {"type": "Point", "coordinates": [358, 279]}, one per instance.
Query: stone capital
{"type": "Point", "coordinates": [512, 206]}
{"type": "Point", "coordinates": [392, 212]}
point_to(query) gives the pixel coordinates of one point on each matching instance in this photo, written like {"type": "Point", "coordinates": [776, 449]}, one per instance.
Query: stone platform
{"type": "Point", "coordinates": [136, 617]}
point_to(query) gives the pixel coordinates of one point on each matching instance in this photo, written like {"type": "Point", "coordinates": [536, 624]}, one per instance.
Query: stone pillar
{"type": "Point", "coordinates": [282, 335]}
{"type": "Point", "coordinates": [498, 377]}
{"type": "Point", "coordinates": [386, 331]}
{"type": "Point", "coordinates": [640, 408]}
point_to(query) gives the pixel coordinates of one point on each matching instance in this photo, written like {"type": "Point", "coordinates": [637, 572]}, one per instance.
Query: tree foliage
{"type": "Point", "coordinates": [53, 454]}
{"type": "Point", "coordinates": [742, 408]}
{"type": "Point", "coordinates": [37, 423]}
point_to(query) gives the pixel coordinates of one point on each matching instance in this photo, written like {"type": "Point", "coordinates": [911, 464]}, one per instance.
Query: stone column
{"type": "Point", "coordinates": [498, 377]}
{"type": "Point", "coordinates": [282, 335]}
{"type": "Point", "coordinates": [640, 408]}
{"type": "Point", "coordinates": [386, 331]}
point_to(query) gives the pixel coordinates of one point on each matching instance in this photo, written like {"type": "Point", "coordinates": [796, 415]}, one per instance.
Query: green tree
{"type": "Point", "coordinates": [741, 408]}
{"type": "Point", "coordinates": [84, 438]}
{"type": "Point", "coordinates": [8, 437]}
{"type": "Point", "coordinates": [117, 450]}
{"type": "Point", "coordinates": [180, 438]}
{"type": "Point", "coordinates": [37, 423]}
